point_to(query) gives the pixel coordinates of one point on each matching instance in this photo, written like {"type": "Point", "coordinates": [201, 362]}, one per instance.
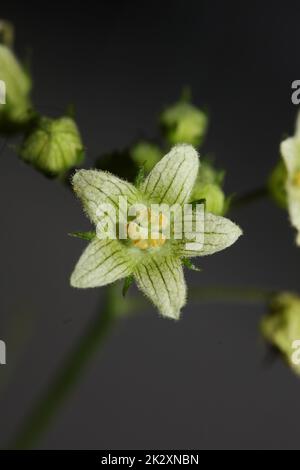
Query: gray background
{"type": "Point", "coordinates": [202, 383]}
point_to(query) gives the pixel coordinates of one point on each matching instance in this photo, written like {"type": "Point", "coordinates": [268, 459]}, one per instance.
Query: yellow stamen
{"type": "Point", "coordinates": [296, 179]}
{"type": "Point", "coordinates": [141, 244]}
{"type": "Point", "coordinates": [157, 242]}
{"type": "Point", "coordinates": [137, 230]}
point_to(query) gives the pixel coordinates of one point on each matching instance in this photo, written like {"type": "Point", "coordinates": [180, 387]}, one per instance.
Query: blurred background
{"type": "Point", "coordinates": [204, 382]}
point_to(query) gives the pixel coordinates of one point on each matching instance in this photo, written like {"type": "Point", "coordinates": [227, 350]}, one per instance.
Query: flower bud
{"type": "Point", "coordinates": [208, 187]}
{"type": "Point", "coordinates": [183, 123]}
{"type": "Point", "coordinates": [146, 154]}
{"type": "Point", "coordinates": [16, 110]}
{"type": "Point", "coordinates": [53, 146]}
{"type": "Point", "coordinates": [277, 184]}
{"type": "Point", "coordinates": [281, 328]}
{"type": "Point", "coordinates": [214, 198]}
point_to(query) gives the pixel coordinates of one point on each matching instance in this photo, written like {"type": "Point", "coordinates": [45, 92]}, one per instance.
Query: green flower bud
{"type": "Point", "coordinates": [53, 146]}
{"type": "Point", "coordinates": [146, 154]}
{"type": "Point", "coordinates": [277, 184]}
{"type": "Point", "coordinates": [281, 328]}
{"type": "Point", "coordinates": [208, 187]}
{"type": "Point", "coordinates": [183, 123]}
{"type": "Point", "coordinates": [17, 110]}
{"type": "Point", "coordinates": [7, 33]}
{"type": "Point", "coordinates": [209, 174]}
{"type": "Point", "coordinates": [213, 195]}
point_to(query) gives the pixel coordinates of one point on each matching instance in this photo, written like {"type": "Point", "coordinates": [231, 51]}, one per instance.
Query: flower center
{"type": "Point", "coordinates": [296, 179]}
{"type": "Point", "coordinates": [146, 230]}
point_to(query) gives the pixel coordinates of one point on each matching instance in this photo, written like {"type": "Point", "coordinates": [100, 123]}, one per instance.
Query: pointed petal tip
{"type": "Point", "coordinates": [76, 178]}
{"type": "Point", "coordinates": [73, 282]}
{"type": "Point", "coordinates": [239, 231]}
{"type": "Point", "coordinates": [188, 150]}
{"type": "Point", "coordinates": [173, 313]}
{"type": "Point", "coordinates": [234, 234]}
{"type": "Point", "coordinates": [175, 316]}
{"type": "Point", "coordinates": [163, 283]}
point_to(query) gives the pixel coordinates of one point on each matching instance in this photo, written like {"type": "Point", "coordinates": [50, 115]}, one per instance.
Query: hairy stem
{"type": "Point", "coordinates": [68, 376]}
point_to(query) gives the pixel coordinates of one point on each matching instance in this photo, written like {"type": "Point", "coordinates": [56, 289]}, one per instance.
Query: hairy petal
{"type": "Point", "coordinates": [94, 187]}
{"type": "Point", "coordinates": [101, 263]}
{"type": "Point", "coordinates": [172, 179]}
{"type": "Point", "coordinates": [162, 280]}
{"type": "Point", "coordinates": [293, 194]}
{"type": "Point", "coordinates": [217, 234]}
{"type": "Point", "coordinates": [290, 151]}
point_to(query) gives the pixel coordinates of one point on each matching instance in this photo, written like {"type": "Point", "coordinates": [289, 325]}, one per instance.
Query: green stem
{"type": "Point", "coordinates": [68, 376]}
{"type": "Point", "coordinates": [250, 197]}
{"type": "Point", "coordinates": [66, 379]}
{"type": "Point", "coordinates": [231, 294]}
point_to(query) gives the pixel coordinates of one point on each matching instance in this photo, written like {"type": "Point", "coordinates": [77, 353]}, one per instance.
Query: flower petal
{"type": "Point", "coordinates": [219, 233]}
{"type": "Point", "coordinates": [101, 263]}
{"type": "Point", "coordinates": [293, 194]}
{"type": "Point", "coordinates": [172, 179]}
{"type": "Point", "coordinates": [290, 151]}
{"type": "Point", "coordinates": [96, 187]}
{"type": "Point", "coordinates": [162, 280]}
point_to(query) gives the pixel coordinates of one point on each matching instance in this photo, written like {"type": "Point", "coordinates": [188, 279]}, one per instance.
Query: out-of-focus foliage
{"type": "Point", "coordinates": [183, 123]}
{"type": "Point", "coordinates": [277, 184]}
{"type": "Point", "coordinates": [17, 111]}
{"type": "Point", "coordinates": [281, 327]}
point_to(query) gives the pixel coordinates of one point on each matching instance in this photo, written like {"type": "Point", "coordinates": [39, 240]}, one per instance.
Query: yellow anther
{"type": "Point", "coordinates": [138, 230]}
{"type": "Point", "coordinates": [296, 179]}
{"type": "Point", "coordinates": [143, 217]}
{"type": "Point", "coordinates": [157, 242]}
{"type": "Point", "coordinates": [141, 244]}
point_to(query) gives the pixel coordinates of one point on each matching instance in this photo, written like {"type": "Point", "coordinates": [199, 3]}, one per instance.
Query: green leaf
{"type": "Point", "coordinates": [188, 264]}
{"type": "Point", "coordinates": [83, 235]}
{"type": "Point", "coordinates": [127, 283]}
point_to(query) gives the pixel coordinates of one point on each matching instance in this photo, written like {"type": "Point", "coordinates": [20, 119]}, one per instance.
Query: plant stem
{"type": "Point", "coordinates": [68, 376]}
{"type": "Point", "coordinates": [231, 294]}
{"type": "Point", "coordinates": [249, 197]}
{"type": "Point", "coordinates": [70, 372]}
